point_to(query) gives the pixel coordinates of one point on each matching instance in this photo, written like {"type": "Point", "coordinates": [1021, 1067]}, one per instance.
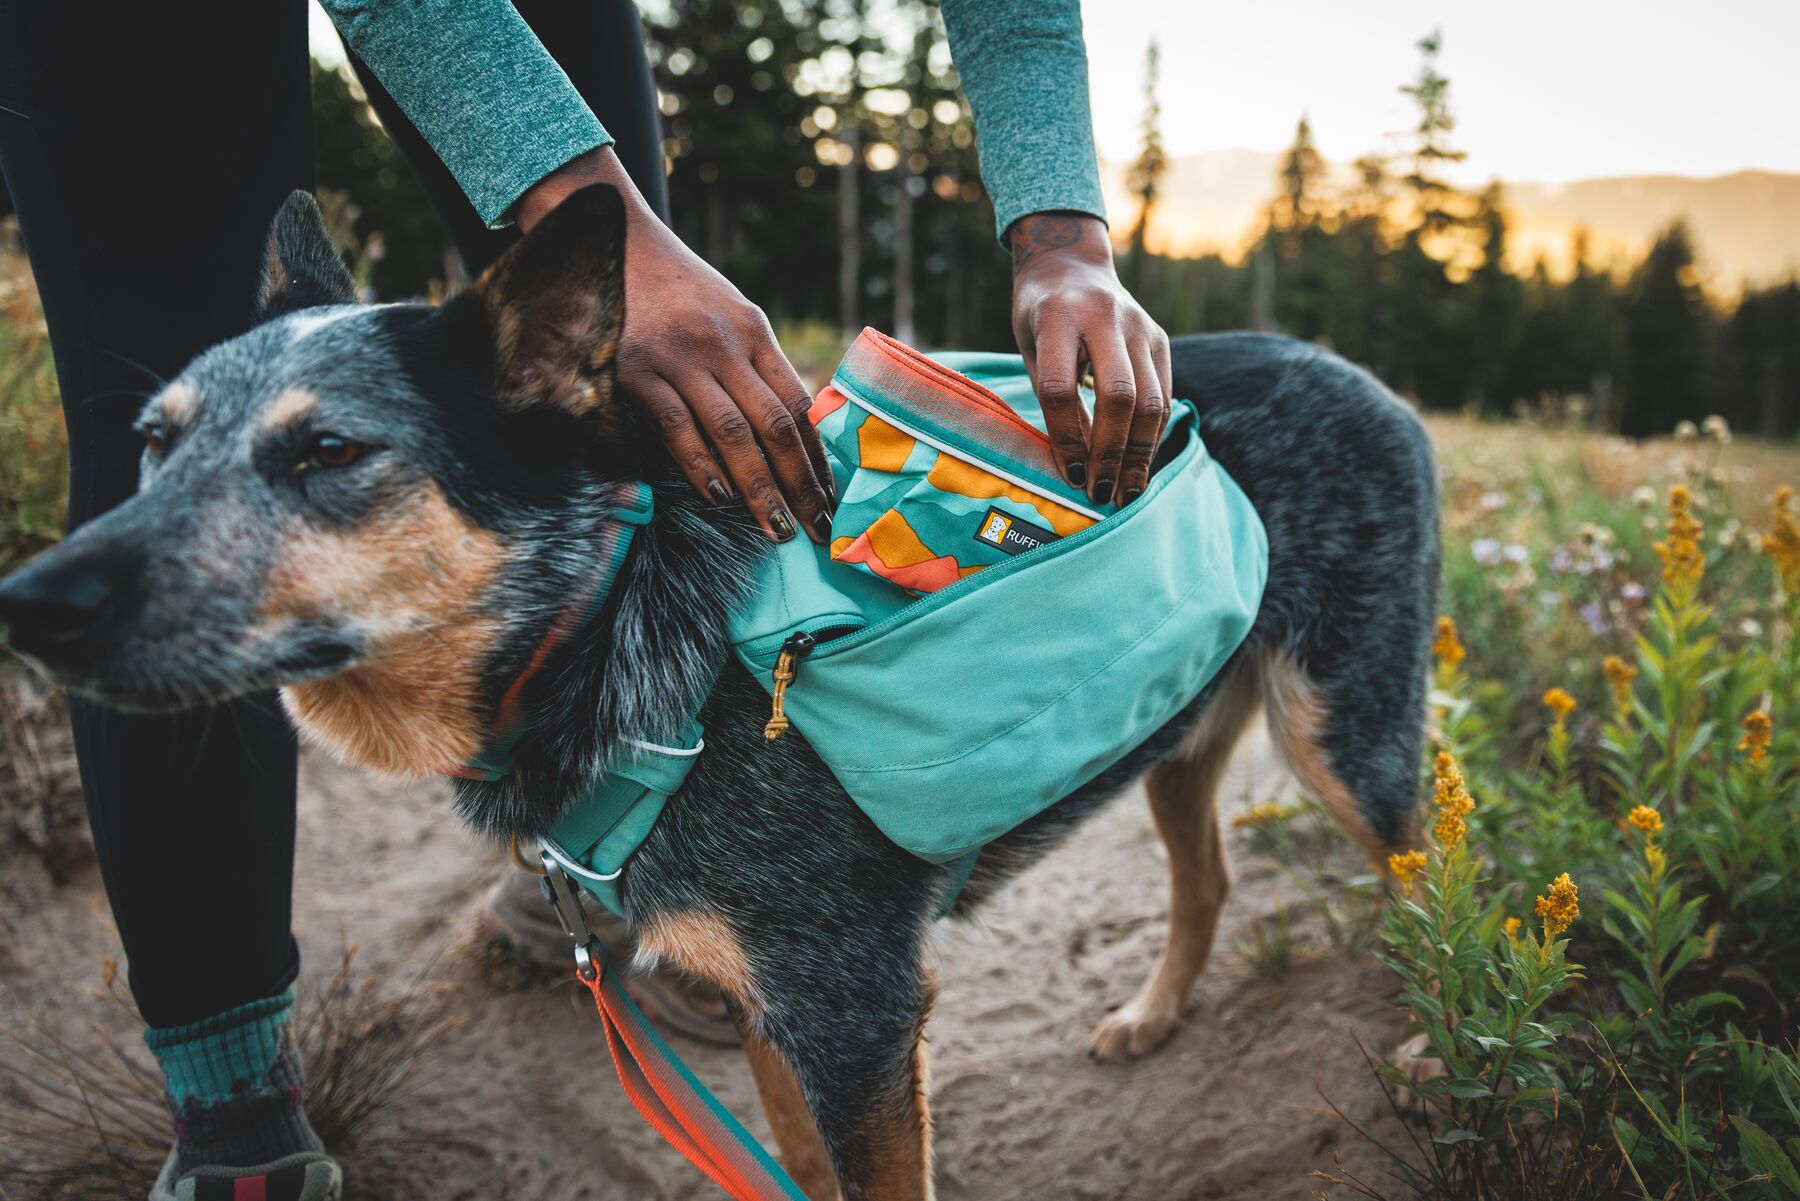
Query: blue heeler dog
{"type": "Point", "coordinates": [381, 509]}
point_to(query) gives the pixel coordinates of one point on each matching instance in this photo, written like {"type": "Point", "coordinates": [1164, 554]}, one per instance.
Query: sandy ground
{"type": "Point", "coordinates": [522, 1104]}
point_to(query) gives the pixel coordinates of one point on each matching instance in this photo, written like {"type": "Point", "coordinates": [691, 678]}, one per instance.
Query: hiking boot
{"type": "Point", "coordinates": [306, 1176]}
{"type": "Point", "coordinates": [516, 917]}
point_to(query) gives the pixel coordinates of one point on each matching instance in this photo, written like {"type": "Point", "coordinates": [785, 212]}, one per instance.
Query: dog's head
{"type": "Point", "coordinates": [336, 500]}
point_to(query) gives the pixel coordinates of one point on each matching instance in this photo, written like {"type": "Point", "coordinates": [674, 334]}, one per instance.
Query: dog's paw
{"type": "Point", "coordinates": [1133, 1030]}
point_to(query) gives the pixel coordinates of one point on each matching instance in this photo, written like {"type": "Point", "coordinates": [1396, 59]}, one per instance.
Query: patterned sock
{"type": "Point", "coordinates": [233, 1084]}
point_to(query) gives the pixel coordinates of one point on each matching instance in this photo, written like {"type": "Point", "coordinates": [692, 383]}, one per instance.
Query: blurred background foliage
{"type": "Point", "coordinates": [819, 153]}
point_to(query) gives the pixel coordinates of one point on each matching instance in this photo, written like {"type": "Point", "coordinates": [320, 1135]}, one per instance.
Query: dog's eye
{"type": "Point", "coordinates": [331, 450]}
{"type": "Point", "coordinates": [154, 439]}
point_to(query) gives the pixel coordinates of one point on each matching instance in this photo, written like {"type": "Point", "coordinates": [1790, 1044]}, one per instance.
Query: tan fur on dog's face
{"type": "Point", "coordinates": [411, 577]}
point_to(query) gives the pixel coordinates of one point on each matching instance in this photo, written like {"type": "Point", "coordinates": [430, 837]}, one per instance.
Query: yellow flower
{"type": "Point", "coordinates": [1559, 910]}
{"type": "Point", "coordinates": [1406, 866]}
{"type": "Point", "coordinates": [1683, 561]}
{"type": "Point", "coordinates": [1511, 927]}
{"type": "Point", "coordinates": [1620, 674]}
{"type": "Point", "coordinates": [1646, 819]}
{"type": "Point", "coordinates": [1559, 703]}
{"type": "Point", "coordinates": [1447, 646]}
{"type": "Point", "coordinates": [1653, 855]}
{"type": "Point", "coordinates": [1267, 813]}
{"type": "Point", "coordinates": [1451, 796]}
{"type": "Point", "coordinates": [1757, 732]}
{"type": "Point", "coordinates": [1783, 542]}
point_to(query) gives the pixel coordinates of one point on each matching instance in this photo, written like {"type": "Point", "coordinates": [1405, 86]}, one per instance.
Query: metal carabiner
{"type": "Point", "coordinates": [564, 897]}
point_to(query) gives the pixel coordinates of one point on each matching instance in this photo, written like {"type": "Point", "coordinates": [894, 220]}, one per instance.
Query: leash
{"type": "Point", "coordinates": [660, 1087]}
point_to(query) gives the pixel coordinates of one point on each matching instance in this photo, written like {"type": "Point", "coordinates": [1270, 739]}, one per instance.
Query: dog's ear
{"type": "Point", "coordinates": [555, 306]}
{"type": "Point", "coordinates": [301, 268]}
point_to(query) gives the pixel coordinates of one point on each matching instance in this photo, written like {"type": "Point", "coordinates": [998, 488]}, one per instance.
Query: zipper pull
{"type": "Point", "coordinates": [796, 648]}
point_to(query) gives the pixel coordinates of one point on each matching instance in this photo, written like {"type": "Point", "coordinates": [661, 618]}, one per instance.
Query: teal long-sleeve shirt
{"type": "Point", "coordinates": [501, 114]}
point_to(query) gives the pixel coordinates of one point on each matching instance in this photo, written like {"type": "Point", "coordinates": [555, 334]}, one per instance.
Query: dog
{"type": "Point", "coordinates": [381, 509]}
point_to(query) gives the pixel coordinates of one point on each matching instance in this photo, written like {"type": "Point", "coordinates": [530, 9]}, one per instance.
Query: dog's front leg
{"type": "Point", "coordinates": [844, 1082]}
{"type": "Point", "coordinates": [802, 1150]}
{"type": "Point", "coordinates": [836, 1038]}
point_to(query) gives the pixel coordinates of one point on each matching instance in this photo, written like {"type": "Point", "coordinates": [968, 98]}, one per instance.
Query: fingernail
{"type": "Point", "coordinates": [822, 523]}
{"type": "Point", "coordinates": [1103, 492]}
{"type": "Point", "coordinates": [719, 495]}
{"type": "Point", "coordinates": [1078, 474]}
{"type": "Point", "coordinates": [1133, 495]}
{"type": "Point", "coordinates": [783, 525]}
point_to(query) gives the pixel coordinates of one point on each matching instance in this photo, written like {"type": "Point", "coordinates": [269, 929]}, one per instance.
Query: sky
{"type": "Point", "coordinates": [1576, 89]}
{"type": "Point", "coordinates": [1542, 91]}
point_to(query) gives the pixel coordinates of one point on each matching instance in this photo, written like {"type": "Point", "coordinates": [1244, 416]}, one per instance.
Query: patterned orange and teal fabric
{"type": "Point", "coordinates": [945, 478]}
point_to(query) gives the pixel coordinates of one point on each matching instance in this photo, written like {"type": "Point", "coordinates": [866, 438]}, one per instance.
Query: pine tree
{"type": "Point", "coordinates": [1145, 177]}
{"type": "Point", "coordinates": [1667, 331]}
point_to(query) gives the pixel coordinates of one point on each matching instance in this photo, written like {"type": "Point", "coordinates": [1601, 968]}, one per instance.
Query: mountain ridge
{"type": "Point", "coordinates": [1746, 223]}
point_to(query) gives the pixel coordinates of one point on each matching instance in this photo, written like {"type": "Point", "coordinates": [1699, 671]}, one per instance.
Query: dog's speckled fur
{"type": "Point", "coordinates": [493, 416]}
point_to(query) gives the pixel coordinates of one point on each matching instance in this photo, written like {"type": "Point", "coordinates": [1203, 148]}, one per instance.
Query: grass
{"type": "Point", "coordinates": [34, 454]}
{"type": "Point", "coordinates": [88, 1123]}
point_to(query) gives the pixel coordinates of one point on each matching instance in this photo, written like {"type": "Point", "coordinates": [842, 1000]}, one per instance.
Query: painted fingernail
{"type": "Point", "coordinates": [782, 524]}
{"type": "Point", "coordinates": [719, 495]}
{"type": "Point", "coordinates": [1133, 495]}
{"type": "Point", "coordinates": [1103, 492]}
{"type": "Point", "coordinates": [1078, 474]}
{"type": "Point", "coordinates": [822, 523]}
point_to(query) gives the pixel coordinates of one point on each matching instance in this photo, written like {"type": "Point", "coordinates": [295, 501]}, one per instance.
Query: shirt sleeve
{"type": "Point", "coordinates": [1023, 67]}
{"type": "Point", "coordinates": [479, 86]}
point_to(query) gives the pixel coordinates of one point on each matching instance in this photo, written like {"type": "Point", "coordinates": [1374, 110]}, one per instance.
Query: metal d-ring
{"type": "Point", "coordinates": [518, 857]}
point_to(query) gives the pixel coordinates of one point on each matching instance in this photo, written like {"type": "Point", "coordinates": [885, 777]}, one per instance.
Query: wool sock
{"type": "Point", "coordinates": [233, 1085]}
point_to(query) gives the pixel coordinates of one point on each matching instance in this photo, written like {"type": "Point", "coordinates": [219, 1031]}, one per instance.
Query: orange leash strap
{"type": "Point", "coordinates": [668, 1095]}
{"type": "Point", "coordinates": [676, 1104]}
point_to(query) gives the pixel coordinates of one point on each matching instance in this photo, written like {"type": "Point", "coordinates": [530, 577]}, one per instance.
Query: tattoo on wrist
{"type": "Point", "coordinates": [1040, 232]}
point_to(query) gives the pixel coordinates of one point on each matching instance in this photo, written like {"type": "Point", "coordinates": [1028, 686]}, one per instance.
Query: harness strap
{"type": "Point", "coordinates": [677, 1105]}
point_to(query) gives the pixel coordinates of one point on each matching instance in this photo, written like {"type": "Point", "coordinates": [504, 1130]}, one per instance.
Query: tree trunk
{"type": "Point", "coordinates": [903, 257]}
{"type": "Point", "coordinates": [850, 234]}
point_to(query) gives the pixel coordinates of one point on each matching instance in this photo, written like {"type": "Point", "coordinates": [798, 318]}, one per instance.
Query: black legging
{"type": "Point", "coordinates": [146, 150]}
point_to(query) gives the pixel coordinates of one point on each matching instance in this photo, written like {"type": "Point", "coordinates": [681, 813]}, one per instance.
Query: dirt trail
{"type": "Point", "coordinates": [523, 1104]}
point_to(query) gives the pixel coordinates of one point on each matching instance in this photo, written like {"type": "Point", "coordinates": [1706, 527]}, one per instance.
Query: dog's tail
{"type": "Point", "coordinates": [1342, 474]}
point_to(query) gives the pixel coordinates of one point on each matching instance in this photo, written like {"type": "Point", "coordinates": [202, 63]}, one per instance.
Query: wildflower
{"type": "Point", "coordinates": [1486, 551]}
{"type": "Point", "coordinates": [1757, 733]}
{"type": "Point", "coordinates": [1653, 855]}
{"type": "Point", "coordinates": [1559, 910]}
{"type": "Point", "coordinates": [1619, 674]}
{"type": "Point", "coordinates": [1686, 431]}
{"type": "Point", "coordinates": [1646, 819]}
{"type": "Point", "coordinates": [1451, 796]}
{"type": "Point", "coordinates": [1643, 496]}
{"type": "Point", "coordinates": [1511, 928]}
{"type": "Point", "coordinates": [1717, 428]}
{"type": "Point", "coordinates": [1266, 813]}
{"type": "Point", "coordinates": [1447, 646]}
{"type": "Point", "coordinates": [1782, 543]}
{"type": "Point", "coordinates": [1560, 703]}
{"type": "Point", "coordinates": [1682, 560]}
{"type": "Point", "coordinates": [1406, 866]}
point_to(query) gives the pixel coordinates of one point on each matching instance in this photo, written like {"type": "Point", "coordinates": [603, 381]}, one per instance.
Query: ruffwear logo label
{"type": "Point", "coordinates": [1011, 534]}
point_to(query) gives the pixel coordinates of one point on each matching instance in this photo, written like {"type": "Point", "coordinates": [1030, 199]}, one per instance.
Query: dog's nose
{"type": "Point", "coordinates": [55, 605]}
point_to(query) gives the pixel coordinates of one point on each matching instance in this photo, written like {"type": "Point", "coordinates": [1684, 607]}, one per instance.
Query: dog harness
{"type": "Point", "coordinates": [978, 641]}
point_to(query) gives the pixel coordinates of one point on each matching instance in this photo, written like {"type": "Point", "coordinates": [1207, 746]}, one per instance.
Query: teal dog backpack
{"type": "Point", "coordinates": [979, 639]}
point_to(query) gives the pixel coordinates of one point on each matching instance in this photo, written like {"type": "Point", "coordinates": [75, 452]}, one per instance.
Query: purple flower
{"type": "Point", "coordinates": [1486, 551]}
{"type": "Point", "coordinates": [1595, 617]}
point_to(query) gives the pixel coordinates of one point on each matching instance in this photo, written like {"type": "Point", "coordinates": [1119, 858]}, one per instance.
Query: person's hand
{"type": "Point", "coordinates": [702, 364]}
{"type": "Point", "coordinates": [1070, 310]}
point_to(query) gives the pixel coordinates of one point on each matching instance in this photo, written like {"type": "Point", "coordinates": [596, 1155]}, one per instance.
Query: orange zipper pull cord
{"type": "Point", "coordinates": [796, 648]}
{"type": "Point", "coordinates": [784, 675]}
